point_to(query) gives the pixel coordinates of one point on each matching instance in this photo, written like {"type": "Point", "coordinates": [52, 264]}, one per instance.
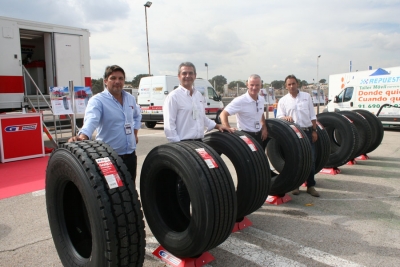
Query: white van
{"type": "Point", "coordinates": [154, 89]}
{"type": "Point", "coordinates": [377, 91]}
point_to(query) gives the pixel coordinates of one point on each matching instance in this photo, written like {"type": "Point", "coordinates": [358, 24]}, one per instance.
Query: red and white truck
{"type": "Point", "coordinates": [52, 54]}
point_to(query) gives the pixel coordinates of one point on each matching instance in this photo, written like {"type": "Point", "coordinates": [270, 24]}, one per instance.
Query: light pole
{"type": "Point", "coordinates": [148, 4]}
{"type": "Point", "coordinates": [207, 69]}
{"type": "Point", "coordinates": [318, 85]}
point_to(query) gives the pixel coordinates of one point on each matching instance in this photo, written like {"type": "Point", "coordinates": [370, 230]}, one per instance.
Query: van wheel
{"type": "Point", "coordinates": [343, 138]}
{"type": "Point", "coordinates": [290, 150]}
{"type": "Point", "coordinates": [217, 118]}
{"type": "Point", "coordinates": [91, 224]}
{"type": "Point", "coordinates": [187, 231]}
{"type": "Point", "coordinates": [150, 124]}
{"type": "Point", "coordinates": [251, 165]}
{"type": "Point", "coordinates": [376, 125]}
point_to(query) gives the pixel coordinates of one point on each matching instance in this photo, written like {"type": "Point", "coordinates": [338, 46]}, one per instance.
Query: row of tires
{"type": "Point", "coordinates": [351, 134]}
{"type": "Point", "coordinates": [187, 192]}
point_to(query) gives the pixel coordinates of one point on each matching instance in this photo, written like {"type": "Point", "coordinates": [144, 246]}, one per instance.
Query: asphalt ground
{"type": "Point", "coordinates": [355, 222]}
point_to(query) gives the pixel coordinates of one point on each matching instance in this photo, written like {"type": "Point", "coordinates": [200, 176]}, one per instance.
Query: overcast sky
{"type": "Point", "coordinates": [272, 38]}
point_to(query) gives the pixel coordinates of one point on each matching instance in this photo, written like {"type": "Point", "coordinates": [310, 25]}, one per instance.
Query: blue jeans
{"type": "Point", "coordinates": [275, 111]}
{"type": "Point", "coordinates": [311, 179]}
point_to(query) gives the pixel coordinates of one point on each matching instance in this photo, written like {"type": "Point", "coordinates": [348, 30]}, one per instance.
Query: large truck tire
{"type": "Point", "coordinates": [377, 129]}
{"type": "Point", "coordinates": [363, 129]}
{"type": "Point", "coordinates": [251, 166]}
{"type": "Point", "coordinates": [343, 138]}
{"type": "Point", "coordinates": [322, 148]}
{"type": "Point", "coordinates": [91, 224]}
{"type": "Point", "coordinates": [213, 206]}
{"type": "Point", "coordinates": [288, 144]}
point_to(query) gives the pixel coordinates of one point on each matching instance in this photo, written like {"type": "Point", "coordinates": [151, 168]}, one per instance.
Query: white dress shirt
{"type": "Point", "coordinates": [184, 115]}
{"type": "Point", "coordinates": [248, 112]}
{"type": "Point", "coordinates": [300, 108]}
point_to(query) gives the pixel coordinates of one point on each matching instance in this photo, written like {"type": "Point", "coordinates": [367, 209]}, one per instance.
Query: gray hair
{"type": "Point", "coordinates": [254, 76]}
{"type": "Point", "coordinates": [186, 64]}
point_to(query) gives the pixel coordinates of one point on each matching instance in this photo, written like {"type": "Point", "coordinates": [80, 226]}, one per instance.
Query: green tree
{"type": "Point", "coordinates": [136, 80]}
{"type": "Point", "coordinates": [278, 84]}
{"type": "Point", "coordinates": [322, 81]}
{"type": "Point", "coordinates": [304, 82]}
{"type": "Point", "coordinates": [233, 84]}
{"type": "Point", "coordinates": [220, 81]}
{"type": "Point", "coordinates": [97, 86]}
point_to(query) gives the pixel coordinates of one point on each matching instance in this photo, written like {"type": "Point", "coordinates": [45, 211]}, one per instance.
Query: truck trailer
{"type": "Point", "coordinates": [51, 54]}
{"type": "Point", "coordinates": [377, 91]}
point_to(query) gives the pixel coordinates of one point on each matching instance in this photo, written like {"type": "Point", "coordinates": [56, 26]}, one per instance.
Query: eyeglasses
{"type": "Point", "coordinates": [256, 106]}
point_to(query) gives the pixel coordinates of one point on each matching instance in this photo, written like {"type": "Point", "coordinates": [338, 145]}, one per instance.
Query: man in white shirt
{"type": "Point", "coordinates": [298, 107]}
{"type": "Point", "coordinates": [249, 110]}
{"type": "Point", "coordinates": [184, 110]}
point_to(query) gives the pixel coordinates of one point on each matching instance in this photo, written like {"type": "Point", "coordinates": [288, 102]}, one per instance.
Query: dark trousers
{"type": "Point", "coordinates": [311, 179]}
{"type": "Point", "coordinates": [131, 162]}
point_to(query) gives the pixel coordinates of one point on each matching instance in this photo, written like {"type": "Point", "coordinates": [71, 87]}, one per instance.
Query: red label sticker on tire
{"type": "Point", "coordinates": [249, 143]}
{"type": "Point", "coordinates": [296, 131]}
{"type": "Point", "coordinates": [207, 158]}
{"type": "Point", "coordinates": [109, 172]}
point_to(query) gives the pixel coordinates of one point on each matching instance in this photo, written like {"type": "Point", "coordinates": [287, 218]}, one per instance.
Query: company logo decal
{"type": "Point", "coordinates": [20, 128]}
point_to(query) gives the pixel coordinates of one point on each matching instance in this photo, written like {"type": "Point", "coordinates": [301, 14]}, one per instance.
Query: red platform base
{"type": "Point", "coordinates": [351, 162]}
{"type": "Point", "coordinates": [332, 171]}
{"type": "Point", "coordinates": [276, 200]}
{"type": "Point", "coordinates": [241, 225]}
{"type": "Point", "coordinates": [362, 157]}
{"type": "Point", "coordinates": [171, 260]}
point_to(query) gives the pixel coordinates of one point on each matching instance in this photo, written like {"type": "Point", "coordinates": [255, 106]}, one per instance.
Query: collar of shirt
{"type": "Point", "coordinates": [249, 98]}
{"type": "Point", "coordinates": [185, 90]}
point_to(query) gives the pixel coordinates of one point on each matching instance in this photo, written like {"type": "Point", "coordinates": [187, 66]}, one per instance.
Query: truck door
{"type": "Point", "coordinates": [68, 59]}
{"type": "Point", "coordinates": [344, 100]}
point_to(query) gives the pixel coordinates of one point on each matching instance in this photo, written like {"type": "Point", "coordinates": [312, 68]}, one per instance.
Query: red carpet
{"type": "Point", "coordinates": [22, 176]}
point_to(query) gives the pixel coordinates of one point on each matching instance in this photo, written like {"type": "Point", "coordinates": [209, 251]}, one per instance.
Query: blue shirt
{"type": "Point", "coordinates": [106, 115]}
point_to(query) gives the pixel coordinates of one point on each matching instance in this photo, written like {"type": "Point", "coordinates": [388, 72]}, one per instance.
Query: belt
{"type": "Point", "coordinates": [252, 133]}
{"type": "Point", "coordinates": [125, 156]}
{"type": "Point", "coordinates": [306, 128]}
{"type": "Point", "coordinates": [199, 139]}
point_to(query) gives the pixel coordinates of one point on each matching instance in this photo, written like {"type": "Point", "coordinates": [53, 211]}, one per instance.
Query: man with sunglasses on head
{"type": "Point", "coordinates": [249, 110]}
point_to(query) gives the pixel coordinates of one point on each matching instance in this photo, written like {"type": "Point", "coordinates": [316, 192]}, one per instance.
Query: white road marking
{"type": "Point", "coordinates": [357, 199]}
{"type": "Point", "coordinates": [307, 252]}
{"type": "Point", "coordinates": [39, 193]}
{"type": "Point", "coordinates": [160, 133]}
{"type": "Point", "coordinates": [255, 253]}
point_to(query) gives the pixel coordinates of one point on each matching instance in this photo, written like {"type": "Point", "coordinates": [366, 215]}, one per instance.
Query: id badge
{"type": "Point", "coordinates": [128, 128]}
{"type": "Point", "coordinates": [195, 113]}
{"type": "Point", "coordinates": [257, 125]}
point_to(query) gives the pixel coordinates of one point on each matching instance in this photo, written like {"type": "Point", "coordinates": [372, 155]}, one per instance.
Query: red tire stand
{"type": "Point", "coordinates": [362, 157]}
{"type": "Point", "coordinates": [331, 171]}
{"type": "Point", "coordinates": [241, 225]}
{"type": "Point", "coordinates": [277, 200]}
{"type": "Point", "coordinates": [174, 261]}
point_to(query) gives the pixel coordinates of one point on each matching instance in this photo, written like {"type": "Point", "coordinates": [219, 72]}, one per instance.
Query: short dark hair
{"type": "Point", "coordinates": [186, 64]}
{"type": "Point", "coordinates": [291, 76]}
{"type": "Point", "coordinates": [111, 69]}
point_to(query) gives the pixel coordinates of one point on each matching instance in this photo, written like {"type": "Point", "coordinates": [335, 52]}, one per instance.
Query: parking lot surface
{"type": "Point", "coordinates": [355, 222]}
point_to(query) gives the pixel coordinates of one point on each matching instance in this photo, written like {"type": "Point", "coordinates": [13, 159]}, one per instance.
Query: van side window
{"type": "Point", "coordinates": [348, 94]}
{"type": "Point", "coordinates": [211, 93]}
